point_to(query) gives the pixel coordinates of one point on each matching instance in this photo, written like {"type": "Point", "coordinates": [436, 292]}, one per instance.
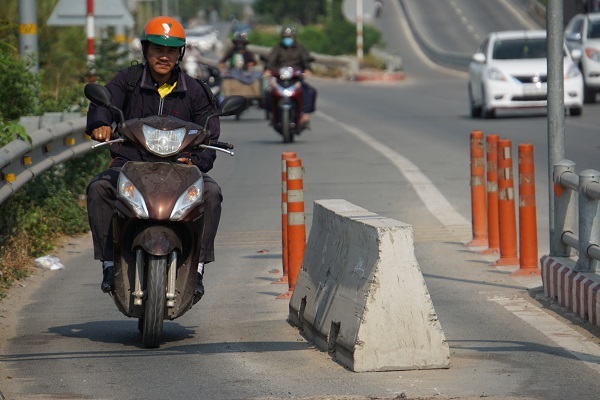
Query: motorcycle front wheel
{"type": "Point", "coordinates": [286, 129]}
{"type": "Point", "coordinates": [156, 289]}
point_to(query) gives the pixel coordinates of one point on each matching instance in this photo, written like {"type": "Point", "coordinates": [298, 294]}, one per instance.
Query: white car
{"type": "Point", "coordinates": [509, 72]}
{"type": "Point", "coordinates": [583, 33]}
{"type": "Point", "coordinates": [204, 38]}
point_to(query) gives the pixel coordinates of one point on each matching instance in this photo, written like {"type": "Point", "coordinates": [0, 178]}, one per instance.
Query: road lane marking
{"type": "Point", "coordinates": [433, 199]}
{"type": "Point", "coordinates": [567, 338]}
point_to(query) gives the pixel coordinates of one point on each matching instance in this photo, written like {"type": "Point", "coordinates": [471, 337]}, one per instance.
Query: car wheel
{"type": "Point", "coordinates": [475, 109]}
{"type": "Point", "coordinates": [589, 95]}
{"type": "Point", "coordinates": [486, 112]}
{"type": "Point", "coordinates": [575, 111]}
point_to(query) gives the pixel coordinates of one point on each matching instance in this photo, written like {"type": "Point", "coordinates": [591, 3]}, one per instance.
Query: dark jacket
{"type": "Point", "coordinates": [295, 56]}
{"type": "Point", "coordinates": [188, 101]}
{"type": "Point", "coordinates": [247, 55]}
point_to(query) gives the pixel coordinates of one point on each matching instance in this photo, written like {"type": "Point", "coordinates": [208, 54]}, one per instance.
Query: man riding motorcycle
{"type": "Point", "coordinates": [160, 88]}
{"type": "Point", "coordinates": [289, 53]}
{"type": "Point", "coordinates": [238, 55]}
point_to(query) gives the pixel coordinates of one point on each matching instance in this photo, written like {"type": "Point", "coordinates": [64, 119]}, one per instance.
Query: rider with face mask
{"type": "Point", "coordinates": [290, 53]}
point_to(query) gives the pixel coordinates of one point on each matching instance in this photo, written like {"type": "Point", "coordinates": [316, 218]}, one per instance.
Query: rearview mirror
{"type": "Point", "coordinates": [479, 58]}
{"type": "Point", "coordinates": [98, 94]}
{"type": "Point", "coordinates": [233, 105]}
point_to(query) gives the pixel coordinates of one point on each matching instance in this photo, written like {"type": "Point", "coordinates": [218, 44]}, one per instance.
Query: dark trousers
{"type": "Point", "coordinates": [101, 197]}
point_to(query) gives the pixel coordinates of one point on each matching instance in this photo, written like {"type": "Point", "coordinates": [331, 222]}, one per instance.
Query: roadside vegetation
{"type": "Point", "coordinates": [52, 206]}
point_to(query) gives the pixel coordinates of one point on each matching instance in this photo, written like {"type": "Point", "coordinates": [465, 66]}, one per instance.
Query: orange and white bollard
{"type": "Point", "coordinates": [528, 243]}
{"type": "Point", "coordinates": [296, 224]}
{"type": "Point", "coordinates": [506, 206]}
{"type": "Point", "coordinates": [478, 207]}
{"type": "Point", "coordinates": [286, 155]}
{"type": "Point", "coordinates": [492, 195]}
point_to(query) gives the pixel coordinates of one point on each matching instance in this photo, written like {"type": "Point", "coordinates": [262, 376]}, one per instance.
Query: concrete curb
{"type": "Point", "coordinates": [578, 292]}
{"type": "Point", "coordinates": [361, 295]}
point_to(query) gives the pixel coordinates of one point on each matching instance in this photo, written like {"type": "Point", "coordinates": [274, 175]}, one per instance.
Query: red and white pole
{"type": "Point", "coordinates": [91, 32]}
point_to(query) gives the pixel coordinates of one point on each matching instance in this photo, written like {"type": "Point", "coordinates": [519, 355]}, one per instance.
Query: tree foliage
{"type": "Point", "coordinates": [303, 12]}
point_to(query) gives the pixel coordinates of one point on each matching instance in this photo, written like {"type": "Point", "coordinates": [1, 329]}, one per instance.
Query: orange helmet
{"type": "Point", "coordinates": [164, 31]}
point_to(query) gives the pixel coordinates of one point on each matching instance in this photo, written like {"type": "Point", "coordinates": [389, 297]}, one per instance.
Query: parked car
{"type": "Point", "coordinates": [204, 38]}
{"type": "Point", "coordinates": [583, 33]}
{"type": "Point", "coordinates": [509, 72]}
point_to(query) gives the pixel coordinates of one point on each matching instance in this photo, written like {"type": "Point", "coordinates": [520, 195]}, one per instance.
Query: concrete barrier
{"type": "Point", "coordinates": [360, 294]}
{"type": "Point", "coordinates": [576, 291]}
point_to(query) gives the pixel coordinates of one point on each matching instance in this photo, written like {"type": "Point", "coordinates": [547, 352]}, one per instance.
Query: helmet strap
{"type": "Point", "coordinates": [181, 53]}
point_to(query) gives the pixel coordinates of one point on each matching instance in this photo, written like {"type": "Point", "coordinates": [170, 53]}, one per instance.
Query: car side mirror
{"type": "Point", "coordinates": [573, 37]}
{"type": "Point", "coordinates": [479, 58]}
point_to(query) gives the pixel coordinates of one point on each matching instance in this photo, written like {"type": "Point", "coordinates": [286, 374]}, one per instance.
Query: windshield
{"type": "Point", "coordinates": [594, 29]}
{"type": "Point", "coordinates": [518, 49]}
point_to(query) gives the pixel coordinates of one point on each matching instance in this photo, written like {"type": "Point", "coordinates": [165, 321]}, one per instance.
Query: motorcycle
{"type": "Point", "coordinates": [212, 76]}
{"type": "Point", "coordinates": [157, 221]}
{"type": "Point", "coordinates": [241, 82]}
{"type": "Point", "coordinates": [285, 94]}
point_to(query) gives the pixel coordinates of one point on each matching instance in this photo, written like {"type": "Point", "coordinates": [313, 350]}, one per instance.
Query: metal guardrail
{"type": "Point", "coordinates": [577, 215]}
{"type": "Point", "coordinates": [60, 139]}
{"type": "Point", "coordinates": [349, 64]}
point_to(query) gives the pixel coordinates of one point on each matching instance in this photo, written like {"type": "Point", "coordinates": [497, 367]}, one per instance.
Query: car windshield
{"type": "Point", "coordinates": [594, 29]}
{"type": "Point", "coordinates": [518, 49]}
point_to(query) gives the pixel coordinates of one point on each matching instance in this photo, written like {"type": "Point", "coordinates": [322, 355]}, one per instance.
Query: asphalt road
{"type": "Point", "coordinates": [398, 149]}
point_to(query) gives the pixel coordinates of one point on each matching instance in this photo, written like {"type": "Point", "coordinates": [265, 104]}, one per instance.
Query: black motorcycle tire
{"type": "Point", "coordinates": [286, 130]}
{"type": "Point", "coordinates": [156, 290]}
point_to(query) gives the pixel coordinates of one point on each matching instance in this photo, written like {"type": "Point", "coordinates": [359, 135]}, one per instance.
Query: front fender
{"type": "Point", "coordinates": [157, 240]}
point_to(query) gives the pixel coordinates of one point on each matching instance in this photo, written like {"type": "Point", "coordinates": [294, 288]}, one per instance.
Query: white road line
{"type": "Point", "coordinates": [567, 338]}
{"type": "Point", "coordinates": [433, 199]}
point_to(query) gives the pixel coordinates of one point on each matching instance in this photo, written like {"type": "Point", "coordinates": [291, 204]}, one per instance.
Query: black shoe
{"type": "Point", "coordinates": [108, 280]}
{"type": "Point", "coordinates": [198, 288]}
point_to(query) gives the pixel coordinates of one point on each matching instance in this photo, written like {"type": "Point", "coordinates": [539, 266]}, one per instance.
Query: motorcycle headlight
{"type": "Point", "coordinates": [126, 190]}
{"type": "Point", "coordinates": [286, 73]}
{"type": "Point", "coordinates": [163, 143]}
{"type": "Point", "coordinates": [187, 200]}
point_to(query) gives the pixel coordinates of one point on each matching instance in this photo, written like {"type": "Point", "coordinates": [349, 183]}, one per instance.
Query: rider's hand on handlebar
{"type": "Point", "coordinates": [307, 72]}
{"type": "Point", "coordinates": [102, 133]}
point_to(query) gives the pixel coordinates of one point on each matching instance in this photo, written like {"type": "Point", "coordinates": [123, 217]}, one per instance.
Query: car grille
{"type": "Point", "coordinates": [532, 78]}
{"type": "Point", "coordinates": [538, 97]}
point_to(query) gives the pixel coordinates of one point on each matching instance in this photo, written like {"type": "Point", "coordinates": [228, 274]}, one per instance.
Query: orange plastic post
{"type": "Point", "coordinates": [286, 155]}
{"type": "Point", "coordinates": [528, 243]}
{"type": "Point", "coordinates": [296, 224]}
{"type": "Point", "coordinates": [506, 206]}
{"type": "Point", "coordinates": [478, 207]}
{"type": "Point", "coordinates": [492, 195]}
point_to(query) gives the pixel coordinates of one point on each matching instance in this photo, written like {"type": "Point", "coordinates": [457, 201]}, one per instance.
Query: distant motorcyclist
{"type": "Point", "coordinates": [289, 53]}
{"type": "Point", "coordinates": [238, 55]}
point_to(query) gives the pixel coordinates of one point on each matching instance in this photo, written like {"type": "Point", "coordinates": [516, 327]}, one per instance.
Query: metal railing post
{"type": "Point", "coordinates": [589, 209]}
{"type": "Point", "coordinates": [565, 209]}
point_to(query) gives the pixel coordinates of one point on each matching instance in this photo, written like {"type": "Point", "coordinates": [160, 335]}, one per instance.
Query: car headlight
{"type": "Point", "coordinates": [187, 200]}
{"type": "Point", "coordinates": [163, 143]}
{"type": "Point", "coordinates": [572, 71]}
{"type": "Point", "coordinates": [127, 190]}
{"type": "Point", "coordinates": [496, 75]}
{"type": "Point", "coordinates": [592, 53]}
